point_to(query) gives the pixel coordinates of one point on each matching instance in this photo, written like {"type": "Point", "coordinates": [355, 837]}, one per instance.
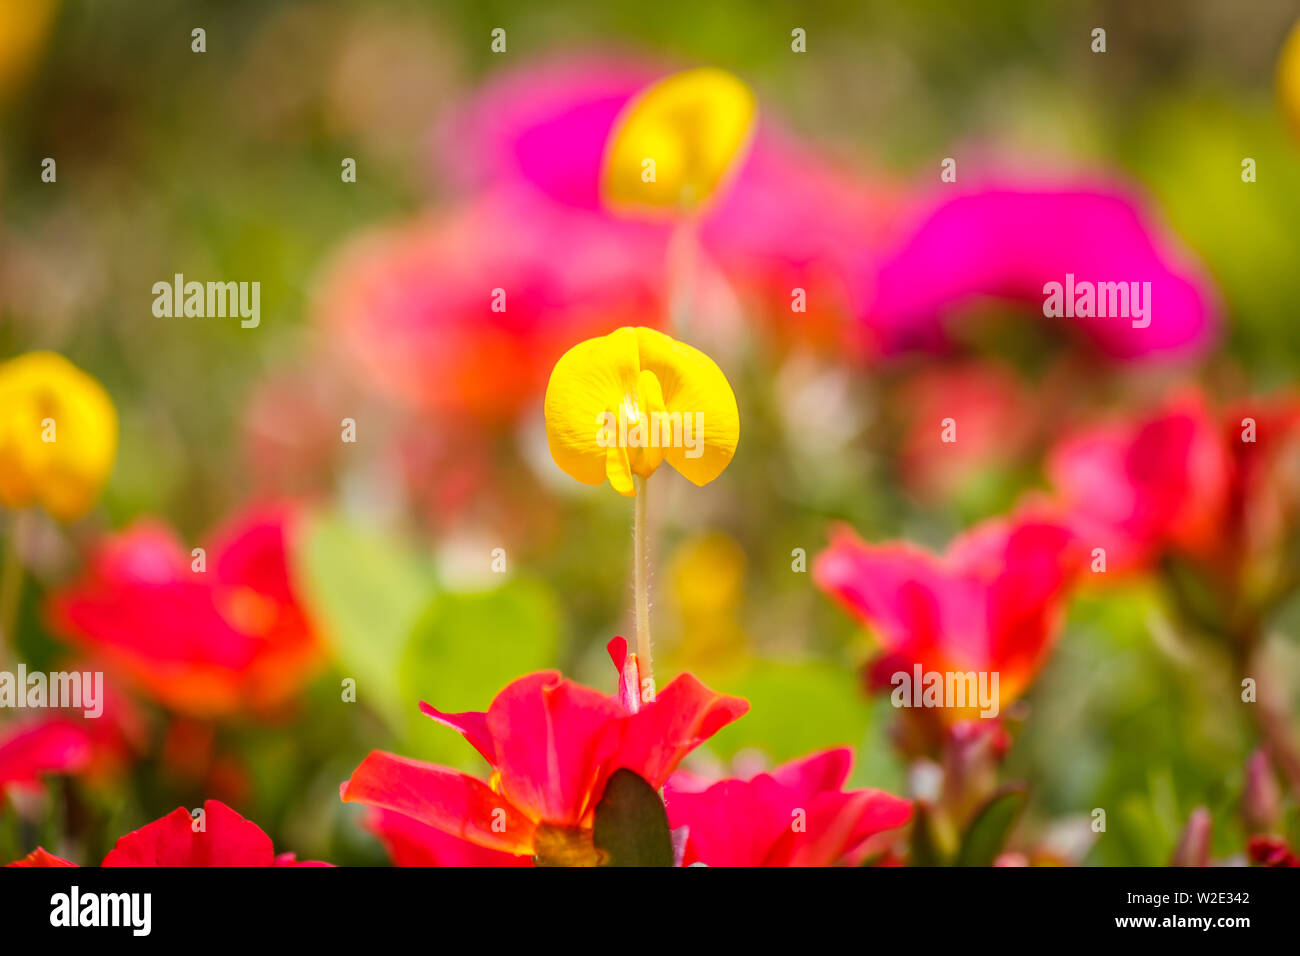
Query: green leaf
{"type": "Point", "coordinates": [992, 826]}
{"type": "Point", "coordinates": [464, 649]}
{"type": "Point", "coordinates": [632, 824]}
{"type": "Point", "coordinates": [826, 695]}
{"type": "Point", "coordinates": [366, 592]}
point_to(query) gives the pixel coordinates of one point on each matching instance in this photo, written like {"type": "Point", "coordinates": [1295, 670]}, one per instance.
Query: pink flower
{"type": "Point", "coordinates": [1141, 486]}
{"type": "Point", "coordinates": [991, 603]}
{"type": "Point", "coordinates": [1007, 242]}
{"type": "Point", "coordinates": [787, 220]}
{"type": "Point", "coordinates": [448, 315]}
{"type": "Point", "coordinates": [797, 815]}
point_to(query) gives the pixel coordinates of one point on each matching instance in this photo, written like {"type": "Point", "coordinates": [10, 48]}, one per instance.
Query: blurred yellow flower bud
{"type": "Point", "coordinates": [1288, 78]}
{"type": "Point", "coordinates": [23, 27]}
{"type": "Point", "coordinates": [677, 141]}
{"type": "Point", "coordinates": [618, 405]}
{"type": "Point", "coordinates": [58, 435]}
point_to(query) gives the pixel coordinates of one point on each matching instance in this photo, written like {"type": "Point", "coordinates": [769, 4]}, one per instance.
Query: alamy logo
{"type": "Point", "coordinates": [133, 910]}
{"type": "Point", "coordinates": [1102, 300]}
{"type": "Point", "coordinates": [946, 689]}
{"type": "Point", "coordinates": [661, 430]}
{"type": "Point", "coordinates": [213, 300]}
{"type": "Point", "coordinates": [82, 690]}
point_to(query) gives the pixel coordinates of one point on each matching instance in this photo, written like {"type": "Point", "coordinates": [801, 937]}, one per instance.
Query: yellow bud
{"type": "Point", "coordinates": [1288, 79]}
{"type": "Point", "coordinates": [677, 141]}
{"type": "Point", "coordinates": [24, 25]}
{"type": "Point", "coordinates": [620, 404]}
{"type": "Point", "coordinates": [58, 435]}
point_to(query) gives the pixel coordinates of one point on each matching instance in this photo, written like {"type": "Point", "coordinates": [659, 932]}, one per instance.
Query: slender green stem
{"type": "Point", "coordinates": [641, 578]}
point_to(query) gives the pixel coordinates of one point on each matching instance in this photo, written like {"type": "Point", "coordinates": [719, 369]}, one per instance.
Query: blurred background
{"type": "Point", "coordinates": [226, 165]}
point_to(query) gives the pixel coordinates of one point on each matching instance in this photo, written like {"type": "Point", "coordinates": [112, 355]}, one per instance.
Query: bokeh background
{"type": "Point", "coordinates": [226, 165]}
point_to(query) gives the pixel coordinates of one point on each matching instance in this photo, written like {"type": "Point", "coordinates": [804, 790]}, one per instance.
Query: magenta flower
{"type": "Point", "coordinates": [1008, 242]}
{"type": "Point", "coordinates": [991, 603]}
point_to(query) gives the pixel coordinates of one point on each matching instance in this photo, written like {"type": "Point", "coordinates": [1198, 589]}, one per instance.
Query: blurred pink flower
{"type": "Point", "coordinates": [787, 220]}
{"type": "Point", "coordinates": [468, 313]}
{"type": "Point", "coordinates": [1008, 241]}
{"type": "Point", "coordinates": [995, 421]}
{"type": "Point", "coordinates": [1144, 485]}
{"type": "Point", "coordinates": [991, 603]}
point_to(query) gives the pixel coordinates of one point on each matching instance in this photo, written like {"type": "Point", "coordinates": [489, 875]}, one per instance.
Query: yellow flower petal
{"type": "Point", "coordinates": [619, 405]}
{"type": "Point", "coordinates": [1288, 78]}
{"type": "Point", "coordinates": [694, 388]}
{"type": "Point", "coordinates": [58, 435]}
{"type": "Point", "coordinates": [677, 141]}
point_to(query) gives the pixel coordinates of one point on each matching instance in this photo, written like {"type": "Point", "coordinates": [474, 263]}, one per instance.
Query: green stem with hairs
{"type": "Point", "coordinates": [641, 579]}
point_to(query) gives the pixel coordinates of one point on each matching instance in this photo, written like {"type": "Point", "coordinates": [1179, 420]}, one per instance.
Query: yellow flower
{"type": "Point", "coordinates": [676, 141]}
{"type": "Point", "coordinates": [58, 435]}
{"type": "Point", "coordinates": [1288, 78]}
{"type": "Point", "coordinates": [23, 27]}
{"type": "Point", "coordinates": [618, 405]}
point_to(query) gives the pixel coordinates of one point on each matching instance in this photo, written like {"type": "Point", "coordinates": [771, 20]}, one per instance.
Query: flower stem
{"type": "Point", "coordinates": [641, 578]}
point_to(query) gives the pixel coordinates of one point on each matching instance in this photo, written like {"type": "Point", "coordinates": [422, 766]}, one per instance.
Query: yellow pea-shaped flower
{"type": "Point", "coordinates": [1288, 79]}
{"type": "Point", "coordinates": [676, 142]}
{"type": "Point", "coordinates": [58, 435]}
{"type": "Point", "coordinates": [619, 405]}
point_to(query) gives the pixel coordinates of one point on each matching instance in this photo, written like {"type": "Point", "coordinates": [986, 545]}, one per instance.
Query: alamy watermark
{"type": "Point", "coordinates": [655, 430]}
{"type": "Point", "coordinates": [213, 300]}
{"type": "Point", "coordinates": [946, 689]}
{"type": "Point", "coordinates": [81, 690]}
{"type": "Point", "coordinates": [1102, 300]}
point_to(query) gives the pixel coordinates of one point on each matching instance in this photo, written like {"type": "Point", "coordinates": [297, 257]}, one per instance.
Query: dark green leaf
{"type": "Point", "coordinates": [989, 831]}
{"type": "Point", "coordinates": [632, 824]}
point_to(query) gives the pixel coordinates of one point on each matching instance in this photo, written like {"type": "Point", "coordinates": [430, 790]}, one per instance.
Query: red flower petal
{"type": "Point", "coordinates": [442, 798]}
{"type": "Point", "coordinates": [683, 715]}
{"type": "Point", "coordinates": [41, 857]}
{"type": "Point", "coordinates": [412, 843]}
{"type": "Point", "coordinates": [227, 839]}
{"type": "Point", "coordinates": [553, 739]}
{"type": "Point", "coordinates": [471, 725]}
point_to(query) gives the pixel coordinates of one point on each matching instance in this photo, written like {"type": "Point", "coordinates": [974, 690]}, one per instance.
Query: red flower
{"type": "Point", "coordinates": [41, 857]}
{"type": "Point", "coordinates": [991, 603]}
{"type": "Point", "coordinates": [552, 745]}
{"type": "Point", "coordinates": [797, 815]}
{"type": "Point", "coordinates": [226, 839]}
{"type": "Point", "coordinates": [1139, 488]}
{"type": "Point", "coordinates": [1271, 851]}
{"type": "Point", "coordinates": [223, 838]}
{"type": "Point", "coordinates": [233, 637]}
{"type": "Point", "coordinates": [412, 843]}
{"type": "Point", "coordinates": [31, 749]}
